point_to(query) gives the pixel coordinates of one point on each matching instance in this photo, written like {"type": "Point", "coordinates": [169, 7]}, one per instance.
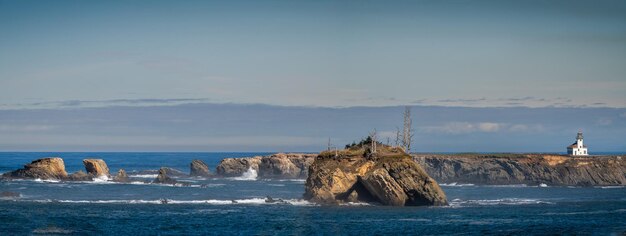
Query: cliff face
{"type": "Point", "coordinates": [280, 165]}
{"type": "Point", "coordinates": [532, 169]}
{"type": "Point", "coordinates": [394, 180]}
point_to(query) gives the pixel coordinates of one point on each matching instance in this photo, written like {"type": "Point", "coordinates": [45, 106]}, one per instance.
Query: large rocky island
{"type": "Point", "coordinates": [361, 173]}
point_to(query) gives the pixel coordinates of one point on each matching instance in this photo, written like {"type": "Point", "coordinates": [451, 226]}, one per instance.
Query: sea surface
{"type": "Point", "coordinates": [237, 206]}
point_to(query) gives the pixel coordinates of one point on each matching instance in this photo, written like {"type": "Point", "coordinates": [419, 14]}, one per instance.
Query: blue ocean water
{"type": "Point", "coordinates": [236, 206]}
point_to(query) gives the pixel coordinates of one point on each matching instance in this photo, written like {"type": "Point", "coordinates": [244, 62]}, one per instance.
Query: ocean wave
{"type": "Point", "coordinates": [586, 212]}
{"type": "Point", "coordinates": [493, 202]}
{"type": "Point", "coordinates": [249, 175]}
{"type": "Point", "coordinates": [454, 184]}
{"type": "Point", "coordinates": [47, 180]}
{"type": "Point", "coordinates": [249, 201]}
{"type": "Point", "coordinates": [609, 187]}
{"type": "Point", "coordinates": [147, 176]}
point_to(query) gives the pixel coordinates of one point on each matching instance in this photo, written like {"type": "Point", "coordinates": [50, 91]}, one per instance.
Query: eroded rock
{"type": "Point", "coordinates": [44, 168]}
{"type": "Point", "coordinates": [389, 177]}
{"type": "Point", "coordinates": [96, 167]}
{"type": "Point", "coordinates": [199, 168]}
{"type": "Point", "coordinates": [121, 176]}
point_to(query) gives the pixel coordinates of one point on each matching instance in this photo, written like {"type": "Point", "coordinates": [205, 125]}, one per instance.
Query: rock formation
{"type": "Point", "coordinates": [162, 178]}
{"type": "Point", "coordinates": [45, 168]}
{"type": "Point", "coordinates": [7, 194]}
{"type": "Point", "coordinates": [121, 176]}
{"type": "Point", "coordinates": [234, 167]}
{"type": "Point", "coordinates": [388, 176]}
{"type": "Point", "coordinates": [168, 171]}
{"type": "Point", "coordinates": [532, 169]}
{"type": "Point", "coordinates": [80, 176]}
{"type": "Point", "coordinates": [199, 168]}
{"type": "Point", "coordinates": [96, 167]}
{"type": "Point", "coordinates": [280, 165]}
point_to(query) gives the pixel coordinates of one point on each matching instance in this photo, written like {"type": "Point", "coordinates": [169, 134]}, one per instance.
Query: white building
{"type": "Point", "coordinates": [578, 148]}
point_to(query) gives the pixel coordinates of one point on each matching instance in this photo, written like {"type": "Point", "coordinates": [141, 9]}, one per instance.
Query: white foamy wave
{"type": "Point", "coordinates": [148, 176]}
{"type": "Point", "coordinates": [356, 204]}
{"type": "Point", "coordinates": [608, 187]}
{"type": "Point", "coordinates": [492, 202]}
{"type": "Point", "coordinates": [292, 180]}
{"type": "Point", "coordinates": [456, 185]}
{"type": "Point", "coordinates": [250, 201]}
{"type": "Point", "coordinates": [47, 180]}
{"type": "Point", "coordinates": [508, 186]}
{"type": "Point", "coordinates": [101, 178]}
{"type": "Point", "coordinates": [250, 174]}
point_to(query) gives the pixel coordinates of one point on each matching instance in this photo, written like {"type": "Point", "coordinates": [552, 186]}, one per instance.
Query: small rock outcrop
{"type": "Point", "coordinates": [162, 178]}
{"type": "Point", "coordinates": [121, 176]}
{"type": "Point", "coordinates": [80, 176]}
{"type": "Point", "coordinates": [168, 171]}
{"type": "Point", "coordinates": [199, 168]}
{"type": "Point", "coordinates": [389, 176]}
{"type": "Point", "coordinates": [45, 168]}
{"type": "Point", "coordinates": [7, 194]}
{"type": "Point", "coordinates": [96, 167]}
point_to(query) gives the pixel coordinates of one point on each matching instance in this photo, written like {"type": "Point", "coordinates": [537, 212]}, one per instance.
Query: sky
{"type": "Point", "coordinates": [135, 61]}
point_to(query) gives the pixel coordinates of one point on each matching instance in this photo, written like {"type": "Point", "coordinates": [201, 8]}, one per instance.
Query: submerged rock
{"type": "Point", "coordinates": [45, 168]}
{"type": "Point", "coordinates": [80, 176]}
{"type": "Point", "coordinates": [199, 168]}
{"type": "Point", "coordinates": [168, 171]}
{"type": "Point", "coordinates": [389, 177]}
{"type": "Point", "coordinates": [96, 167]}
{"type": "Point", "coordinates": [7, 194]}
{"type": "Point", "coordinates": [121, 176]}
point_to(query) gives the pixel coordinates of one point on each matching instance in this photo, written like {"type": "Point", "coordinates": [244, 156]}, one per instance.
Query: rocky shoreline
{"type": "Point", "coordinates": [530, 169]}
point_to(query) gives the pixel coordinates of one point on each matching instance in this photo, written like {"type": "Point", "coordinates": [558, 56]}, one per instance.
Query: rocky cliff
{"type": "Point", "coordinates": [45, 168]}
{"type": "Point", "coordinates": [532, 169]}
{"type": "Point", "coordinates": [280, 165]}
{"type": "Point", "coordinates": [389, 177]}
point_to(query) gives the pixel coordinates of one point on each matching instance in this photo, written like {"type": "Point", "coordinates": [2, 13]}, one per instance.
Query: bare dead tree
{"type": "Point", "coordinates": [373, 136]}
{"type": "Point", "coordinates": [329, 144]}
{"type": "Point", "coordinates": [407, 135]}
{"type": "Point", "coordinates": [397, 142]}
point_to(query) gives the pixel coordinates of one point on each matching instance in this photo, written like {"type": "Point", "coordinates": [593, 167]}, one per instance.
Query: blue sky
{"type": "Point", "coordinates": [125, 57]}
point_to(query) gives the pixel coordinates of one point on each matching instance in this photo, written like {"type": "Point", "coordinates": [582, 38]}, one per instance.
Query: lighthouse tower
{"type": "Point", "coordinates": [578, 148]}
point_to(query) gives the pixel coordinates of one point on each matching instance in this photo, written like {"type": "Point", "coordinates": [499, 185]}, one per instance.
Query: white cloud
{"type": "Point", "coordinates": [489, 127]}
{"type": "Point", "coordinates": [484, 127]}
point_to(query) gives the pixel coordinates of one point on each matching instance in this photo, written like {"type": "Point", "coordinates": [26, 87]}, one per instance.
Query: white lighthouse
{"type": "Point", "coordinates": [578, 148]}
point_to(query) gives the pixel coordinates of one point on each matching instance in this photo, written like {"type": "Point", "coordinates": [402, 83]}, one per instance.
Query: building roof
{"type": "Point", "coordinates": [575, 146]}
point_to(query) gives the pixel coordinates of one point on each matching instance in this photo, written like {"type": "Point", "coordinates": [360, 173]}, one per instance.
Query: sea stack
{"type": "Point", "coordinates": [44, 168]}
{"type": "Point", "coordinates": [121, 176]}
{"type": "Point", "coordinates": [359, 173]}
{"type": "Point", "coordinates": [199, 168]}
{"type": "Point", "coordinates": [96, 167]}
{"type": "Point", "coordinates": [162, 178]}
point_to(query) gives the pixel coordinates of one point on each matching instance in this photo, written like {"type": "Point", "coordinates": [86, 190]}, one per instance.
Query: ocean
{"type": "Point", "coordinates": [237, 206]}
